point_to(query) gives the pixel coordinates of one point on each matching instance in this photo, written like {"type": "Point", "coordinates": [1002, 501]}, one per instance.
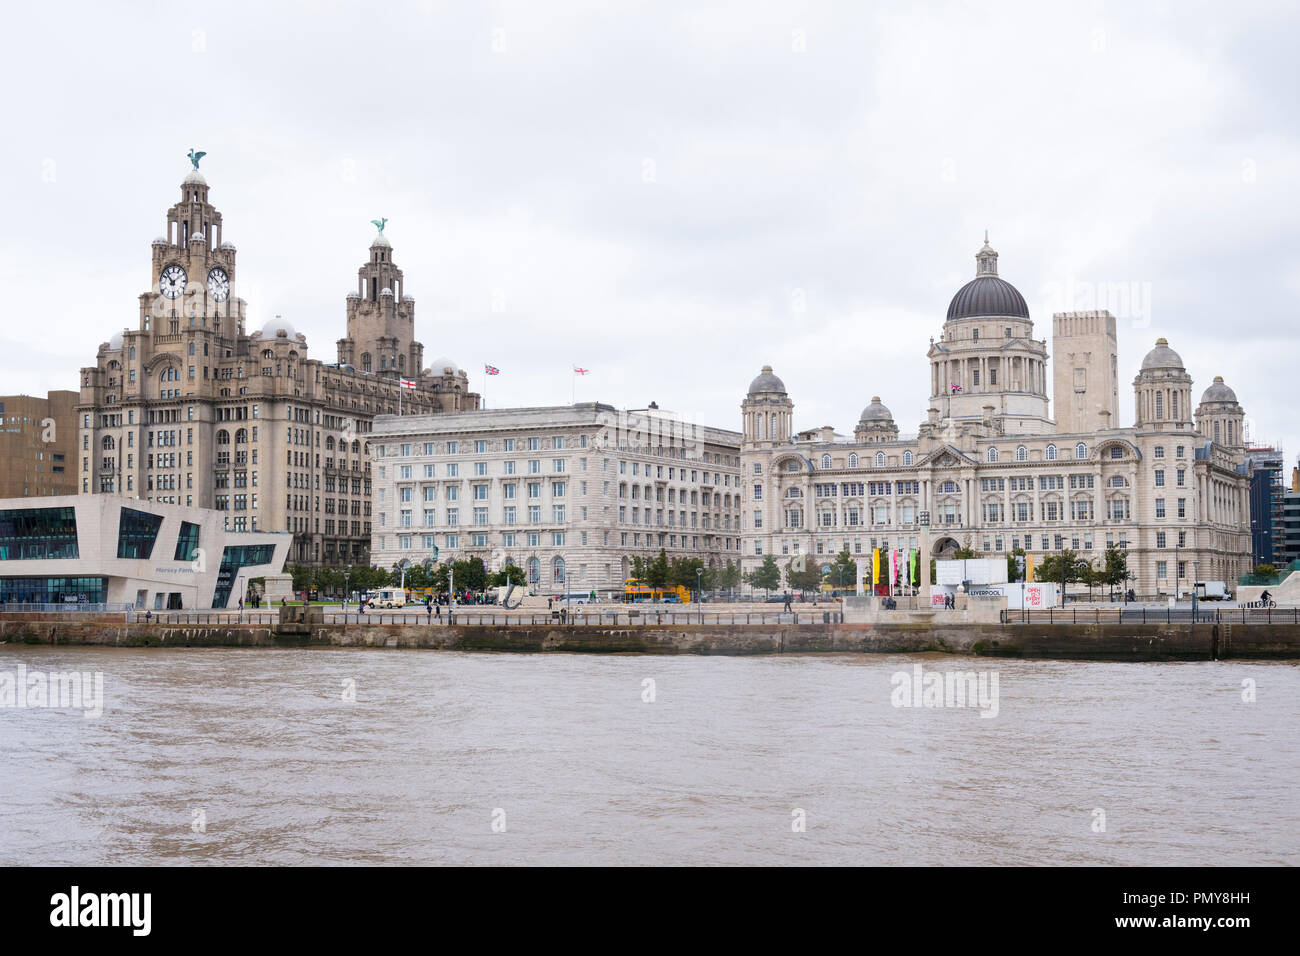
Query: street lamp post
{"type": "Point", "coordinates": [1123, 548]}
{"type": "Point", "coordinates": [699, 591]}
{"type": "Point", "coordinates": [1196, 567]}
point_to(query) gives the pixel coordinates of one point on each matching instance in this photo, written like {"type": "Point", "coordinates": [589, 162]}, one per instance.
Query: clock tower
{"type": "Point", "coordinates": [193, 271]}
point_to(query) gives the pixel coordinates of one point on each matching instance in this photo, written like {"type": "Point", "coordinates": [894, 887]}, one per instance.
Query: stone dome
{"type": "Point", "coordinates": [876, 412]}
{"type": "Point", "coordinates": [437, 365]}
{"type": "Point", "coordinates": [386, 291]}
{"type": "Point", "coordinates": [229, 246]}
{"type": "Point", "coordinates": [354, 294]}
{"type": "Point", "coordinates": [988, 295]}
{"type": "Point", "coordinates": [766, 382]}
{"type": "Point", "coordinates": [198, 237]}
{"type": "Point", "coordinates": [195, 178]}
{"type": "Point", "coordinates": [1218, 392]}
{"type": "Point", "coordinates": [160, 241]}
{"type": "Point", "coordinates": [382, 241]}
{"type": "Point", "coordinates": [1162, 356]}
{"type": "Point", "coordinates": [115, 342]}
{"type": "Point", "coordinates": [275, 327]}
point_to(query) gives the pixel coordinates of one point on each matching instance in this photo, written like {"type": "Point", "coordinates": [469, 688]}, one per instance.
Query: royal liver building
{"type": "Point", "coordinates": [992, 468]}
{"type": "Point", "coordinates": [190, 408]}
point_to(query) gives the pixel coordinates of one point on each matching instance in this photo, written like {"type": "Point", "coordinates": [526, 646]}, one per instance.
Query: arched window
{"type": "Point", "coordinates": [534, 570]}
{"type": "Point", "coordinates": [880, 459]}
{"type": "Point", "coordinates": [267, 354]}
{"type": "Point", "coordinates": [1160, 405]}
{"type": "Point", "coordinates": [356, 447]}
{"type": "Point", "coordinates": [908, 458]}
{"type": "Point", "coordinates": [993, 454]}
{"type": "Point", "coordinates": [1022, 453]}
{"type": "Point", "coordinates": [557, 570]}
{"type": "Point", "coordinates": [241, 437]}
{"type": "Point", "coordinates": [1050, 454]}
{"type": "Point", "coordinates": [1081, 450]}
{"type": "Point", "coordinates": [108, 442]}
{"type": "Point", "coordinates": [329, 442]}
{"type": "Point", "coordinates": [223, 437]}
{"type": "Point", "coordinates": [853, 461]}
{"type": "Point", "coordinates": [826, 461]}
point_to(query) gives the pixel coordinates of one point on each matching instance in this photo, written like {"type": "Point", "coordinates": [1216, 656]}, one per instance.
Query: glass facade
{"type": "Point", "coordinates": [53, 590]}
{"type": "Point", "coordinates": [136, 533]}
{"type": "Point", "coordinates": [187, 542]}
{"type": "Point", "coordinates": [232, 559]}
{"type": "Point", "coordinates": [44, 533]}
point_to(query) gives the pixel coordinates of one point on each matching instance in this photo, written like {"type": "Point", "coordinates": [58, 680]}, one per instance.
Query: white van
{"type": "Point", "coordinates": [388, 597]}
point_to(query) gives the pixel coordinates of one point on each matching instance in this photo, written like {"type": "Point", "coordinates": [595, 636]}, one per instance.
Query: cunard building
{"type": "Point", "coordinates": [994, 471]}
{"type": "Point", "coordinates": [190, 408]}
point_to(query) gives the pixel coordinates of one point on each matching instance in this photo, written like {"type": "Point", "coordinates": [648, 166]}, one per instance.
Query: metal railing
{"type": "Point", "coordinates": [104, 608]}
{"type": "Point", "coordinates": [1153, 615]}
{"type": "Point", "coordinates": [487, 618]}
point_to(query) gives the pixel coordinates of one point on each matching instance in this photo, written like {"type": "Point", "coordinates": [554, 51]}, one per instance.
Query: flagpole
{"type": "Point", "coordinates": [400, 389]}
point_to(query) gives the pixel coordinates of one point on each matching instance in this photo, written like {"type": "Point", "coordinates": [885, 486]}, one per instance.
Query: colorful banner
{"type": "Point", "coordinates": [1029, 567]}
{"type": "Point", "coordinates": [875, 566]}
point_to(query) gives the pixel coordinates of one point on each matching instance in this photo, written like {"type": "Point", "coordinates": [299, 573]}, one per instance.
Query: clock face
{"type": "Point", "coordinates": [172, 282]}
{"type": "Point", "coordinates": [219, 284]}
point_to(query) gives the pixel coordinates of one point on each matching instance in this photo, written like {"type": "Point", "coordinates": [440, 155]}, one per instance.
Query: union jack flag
{"type": "Point", "coordinates": [955, 386]}
{"type": "Point", "coordinates": [491, 370]}
{"type": "Point", "coordinates": [580, 371]}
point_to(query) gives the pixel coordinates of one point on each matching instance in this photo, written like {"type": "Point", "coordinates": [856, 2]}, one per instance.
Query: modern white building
{"type": "Point", "coordinates": [569, 493]}
{"type": "Point", "coordinates": [112, 549]}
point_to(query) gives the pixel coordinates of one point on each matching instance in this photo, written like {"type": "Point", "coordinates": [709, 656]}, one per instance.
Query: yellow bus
{"type": "Point", "coordinates": [637, 592]}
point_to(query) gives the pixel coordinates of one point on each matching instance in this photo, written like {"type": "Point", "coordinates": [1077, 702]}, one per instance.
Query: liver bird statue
{"type": "Point", "coordinates": [376, 222]}
{"type": "Point", "coordinates": [195, 157]}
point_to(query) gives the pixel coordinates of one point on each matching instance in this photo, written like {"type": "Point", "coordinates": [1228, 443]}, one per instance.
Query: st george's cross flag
{"type": "Point", "coordinates": [580, 371]}
{"type": "Point", "coordinates": [491, 370]}
{"type": "Point", "coordinates": [408, 383]}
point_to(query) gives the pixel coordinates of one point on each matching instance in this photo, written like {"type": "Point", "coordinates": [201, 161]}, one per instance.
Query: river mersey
{"type": "Point", "coordinates": [401, 757]}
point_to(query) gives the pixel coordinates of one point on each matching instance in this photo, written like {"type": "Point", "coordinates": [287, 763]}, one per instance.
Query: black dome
{"type": "Point", "coordinates": [987, 295]}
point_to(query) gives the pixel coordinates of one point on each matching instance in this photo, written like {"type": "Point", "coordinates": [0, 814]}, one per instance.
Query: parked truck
{"type": "Point", "coordinates": [1212, 591]}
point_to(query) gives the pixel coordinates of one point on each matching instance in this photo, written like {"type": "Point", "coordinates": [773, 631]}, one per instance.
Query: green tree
{"type": "Point", "coordinates": [1114, 570]}
{"type": "Point", "coordinates": [963, 554]}
{"type": "Point", "coordinates": [469, 574]}
{"type": "Point", "coordinates": [682, 572]}
{"type": "Point", "coordinates": [1265, 570]}
{"type": "Point", "coordinates": [510, 574]}
{"type": "Point", "coordinates": [729, 577]}
{"type": "Point", "coordinates": [1013, 566]}
{"type": "Point", "coordinates": [766, 577]}
{"type": "Point", "coordinates": [1051, 568]}
{"type": "Point", "coordinates": [657, 571]}
{"type": "Point", "coordinates": [301, 575]}
{"type": "Point", "coordinates": [844, 572]}
{"type": "Point", "coordinates": [803, 575]}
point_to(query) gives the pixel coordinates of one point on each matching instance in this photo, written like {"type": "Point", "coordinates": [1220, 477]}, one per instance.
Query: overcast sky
{"type": "Point", "coordinates": [671, 195]}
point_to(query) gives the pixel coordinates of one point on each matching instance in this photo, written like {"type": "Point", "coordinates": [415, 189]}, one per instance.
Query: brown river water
{"type": "Point", "coordinates": [256, 757]}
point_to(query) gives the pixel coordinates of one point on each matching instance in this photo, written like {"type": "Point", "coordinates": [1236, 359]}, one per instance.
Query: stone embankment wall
{"type": "Point", "coordinates": [1111, 641]}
